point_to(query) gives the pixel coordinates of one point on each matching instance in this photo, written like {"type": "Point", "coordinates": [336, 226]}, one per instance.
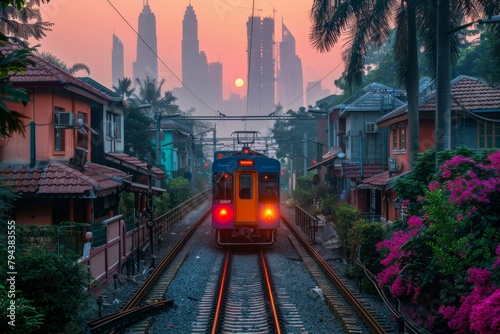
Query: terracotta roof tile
{"type": "Point", "coordinates": [134, 164]}
{"type": "Point", "coordinates": [58, 178]}
{"type": "Point", "coordinates": [353, 169]}
{"type": "Point", "coordinates": [468, 92]}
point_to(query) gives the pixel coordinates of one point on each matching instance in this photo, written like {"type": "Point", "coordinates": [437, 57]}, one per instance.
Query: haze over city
{"type": "Point", "coordinates": [83, 32]}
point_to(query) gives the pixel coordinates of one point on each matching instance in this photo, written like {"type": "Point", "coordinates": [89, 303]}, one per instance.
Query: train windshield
{"type": "Point", "coordinates": [223, 188]}
{"type": "Point", "coordinates": [246, 186]}
{"type": "Point", "coordinates": [269, 188]}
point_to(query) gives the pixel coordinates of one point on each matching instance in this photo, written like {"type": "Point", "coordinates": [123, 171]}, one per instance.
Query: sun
{"type": "Point", "coordinates": [239, 82]}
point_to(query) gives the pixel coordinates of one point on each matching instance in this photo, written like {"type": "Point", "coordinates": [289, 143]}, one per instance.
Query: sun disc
{"type": "Point", "coordinates": [239, 82]}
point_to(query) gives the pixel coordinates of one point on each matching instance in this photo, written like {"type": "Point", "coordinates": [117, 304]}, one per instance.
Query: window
{"type": "Point", "coordinates": [245, 186]}
{"type": "Point", "coordinates": [402, 138]}
{"type": "Point", "coordinates": [223, 188]}
{"type": "Point", "coordinates": [268, 188]}
{"type": "Point", "coordinates": [488, 135]}
{"type": "Point", "coordinates": [113, 126]}
{"type": "Point", "coordinates": [399, 138]}
{"type": "Point", "coordinates": [58, 133]}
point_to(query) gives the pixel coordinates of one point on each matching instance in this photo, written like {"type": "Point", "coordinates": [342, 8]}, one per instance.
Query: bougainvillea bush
{"type": "Point", "coordinates": [445, 261]}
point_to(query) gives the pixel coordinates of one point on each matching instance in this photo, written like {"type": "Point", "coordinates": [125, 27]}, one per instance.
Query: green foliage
{"type": "Point", "coordinates": [345, 216]}
{"type": "Point", "coordinates": [137, 134]}
{"type": "Point", "coordinates": [26, 319]}
{"type": "Point", "coordinates": [7, 199]}
{"type": "Point", "coordinates": [55, 284]}
{"type": "Point", "coordinates": [179, 190]}
{"type": "Point", "coordinates": [161, 204]}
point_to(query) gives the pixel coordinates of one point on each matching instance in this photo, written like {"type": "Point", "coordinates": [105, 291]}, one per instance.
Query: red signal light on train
{"type": "Point", "coordinates": [246, 163]}
{"type": "Point", "coordinates": [223, 213]}
{"type": "Point", "coordinates": [246, 150]}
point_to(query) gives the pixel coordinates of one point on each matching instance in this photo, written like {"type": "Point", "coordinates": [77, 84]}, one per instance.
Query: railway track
{"type": "Point", "coordinates": [239, 296]}
{"type": "Point", "coordinates": [149, 293]}
{"type": "Point", "coordinates": [245, 299]}
{"type": "Point", "coordinates": [324, 275]}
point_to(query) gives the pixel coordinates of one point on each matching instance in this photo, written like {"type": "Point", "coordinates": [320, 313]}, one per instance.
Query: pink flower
{"type": "Point", "coordinates": [446, 174]}
{"type": "Point", "coordinates": [460, 216]}
{"type": "Point", "coordinates": [433, 186]}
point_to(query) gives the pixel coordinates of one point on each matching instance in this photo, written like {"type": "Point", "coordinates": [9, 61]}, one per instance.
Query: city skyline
{"type": "Point", "coordinates": [222, 35]}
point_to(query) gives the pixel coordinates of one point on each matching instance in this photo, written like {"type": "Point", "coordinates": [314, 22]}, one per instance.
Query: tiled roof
{"type": "Point", "coordinates": [374, 101]}
{"type": "Point", "coordinates": [53, 178]}
{"type": "Point", "coordinates": [380, 181]}
{"type": "Point", "coordinates": [353, 169]}
{"type": "Point", "coordinates": [467, 92]}
{"type": "Point", "coordinates": [134, 164]}
{"type": "Point", "coordinates": [48, 74]}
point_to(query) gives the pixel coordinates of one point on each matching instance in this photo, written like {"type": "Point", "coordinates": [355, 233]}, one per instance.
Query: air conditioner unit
{"type": "Point", "coordinates": [80, 157]}
{"type": "Point", "coordinates": [65, 120]}
{"type": "Point", "coordinates": [371, 127]}
{"type": "Point", "coordinates": [393, 164]}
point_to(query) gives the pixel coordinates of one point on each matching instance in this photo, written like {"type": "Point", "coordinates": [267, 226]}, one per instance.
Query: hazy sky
{"type": "Point", "coordinates": [83, 31]}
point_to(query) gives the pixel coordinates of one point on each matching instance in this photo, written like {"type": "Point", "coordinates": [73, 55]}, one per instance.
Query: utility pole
{"type": "Point", "coordinates": [150, 221]}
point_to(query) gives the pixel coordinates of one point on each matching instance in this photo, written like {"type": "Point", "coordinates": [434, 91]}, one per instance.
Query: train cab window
{"type": "Point", "coordinates": [245, 186]}
{"type": "Point", "coordinates": [223, 188]}
{"type": "Point", "coordinates": [269, 188]}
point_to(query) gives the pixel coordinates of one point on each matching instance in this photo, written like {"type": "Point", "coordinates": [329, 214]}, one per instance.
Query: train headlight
{"type": "Point", "coordinates": [269, 213]}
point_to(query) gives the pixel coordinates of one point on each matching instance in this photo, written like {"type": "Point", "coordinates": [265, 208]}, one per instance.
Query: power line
{"type": "Point", "coordinates": [161, 60]}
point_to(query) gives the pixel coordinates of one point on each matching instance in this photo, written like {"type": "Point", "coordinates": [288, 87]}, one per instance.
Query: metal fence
{"type": "Point", "coordinates": [168, 220]}
{"type": "Point", "coordinates": [307, 223]}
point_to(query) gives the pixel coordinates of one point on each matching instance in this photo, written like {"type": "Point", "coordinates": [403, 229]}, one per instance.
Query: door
{"type": "Point", "coordinates": [245, 205]}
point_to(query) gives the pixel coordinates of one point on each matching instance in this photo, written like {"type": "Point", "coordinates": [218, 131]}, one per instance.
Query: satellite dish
{"type": "Point", "coordinates": [341, 155]}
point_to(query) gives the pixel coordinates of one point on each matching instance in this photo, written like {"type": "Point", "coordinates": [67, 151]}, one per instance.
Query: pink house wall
{"type": "Point", "coordinates": [41, 111]}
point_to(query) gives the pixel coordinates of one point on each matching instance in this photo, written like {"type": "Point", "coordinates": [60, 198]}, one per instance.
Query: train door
{"type": "Point", "coordinates": [245, 205]}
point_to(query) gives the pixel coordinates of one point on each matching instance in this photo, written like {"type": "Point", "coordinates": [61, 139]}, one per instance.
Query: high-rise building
{"type": "Point", "coordinates": [197, 80]}
{"type": "Point", "coordinates": [146, 64]}
{"type": "Point", "coordinates": [190, 48]}
{"type": "Point", "coordinates": [117, 60]}
{"type": "Point", "coordinates": [290, 78]}
{"type": "Point", "coordinates": [261, 75]}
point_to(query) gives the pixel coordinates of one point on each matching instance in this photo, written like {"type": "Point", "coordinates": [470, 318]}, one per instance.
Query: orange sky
{"type": "Point", "coordinates": [83, 33]}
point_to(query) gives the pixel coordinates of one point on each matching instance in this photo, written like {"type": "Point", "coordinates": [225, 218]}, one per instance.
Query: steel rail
{"type": "Point", "coordinates": [222, 289]}
{"type": "Point", "coordinates": [370, 321]}
{"type": "Point", "coordinates": [162, 265]}
{"type": "Point", "coordinates": [270, 293]}
{"type": "Point", "coordinates": [142, 291]}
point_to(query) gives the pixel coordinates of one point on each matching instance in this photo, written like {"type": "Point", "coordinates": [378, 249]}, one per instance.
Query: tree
{"type": "Point", "coordinates": [15, 61]}
{"type": "Point", "coordinates": [19, 22]}
{"type": "Point", "coordinates": [52, 59]}
{"type": "Point", "coordinates": [54, 283]}
{"type": "Point", "coordinates": [124, 88]}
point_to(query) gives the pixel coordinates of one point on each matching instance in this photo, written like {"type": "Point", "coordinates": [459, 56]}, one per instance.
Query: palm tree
{"type": "Point", "coordinates": [20, 22]}
{"type": "Point", "coordinates": [52, 59]}
{"type": "Point", "coordinates": [150, 92]}
{"type": "Point", "coordinates": [124, 88]}
{"type": "Point", "coordinates": [369, 21]}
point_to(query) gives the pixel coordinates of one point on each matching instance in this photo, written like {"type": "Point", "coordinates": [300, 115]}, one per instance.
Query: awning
{"type": "Point", "coordinates": [381, 181]}
{"type": "Point", "coordinates": [134, 164]}
{"type": "Point", "coordinates": [328, 161]}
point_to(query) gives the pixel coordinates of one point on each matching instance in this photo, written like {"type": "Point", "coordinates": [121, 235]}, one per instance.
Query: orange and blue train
{"type": "Point", "coordinates": [246, 198]}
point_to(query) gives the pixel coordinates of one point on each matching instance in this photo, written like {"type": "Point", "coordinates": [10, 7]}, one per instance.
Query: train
{"type": "Point", "coordinates": [245, 197]}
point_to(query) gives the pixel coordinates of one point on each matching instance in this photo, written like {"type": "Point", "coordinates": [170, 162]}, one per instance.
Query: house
{"type": "Point", "coordinates": [475, 123]}
{"type": "Point", "coordinates": [49, 166]}
{"type": "Point", "coordinates": [356, 136]}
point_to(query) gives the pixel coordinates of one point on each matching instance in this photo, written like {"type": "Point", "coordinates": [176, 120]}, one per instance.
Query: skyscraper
{"type": "Point", "coordinates": [117, 61]}
{"type": "Point", "coordinates": [261, 76]}
{"type": "Point", "coordinates": [196, 76]}
{"type": "Point", "coordinates": [146, 64]}
{"type": "Point", "coordinates": [290, 78]}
